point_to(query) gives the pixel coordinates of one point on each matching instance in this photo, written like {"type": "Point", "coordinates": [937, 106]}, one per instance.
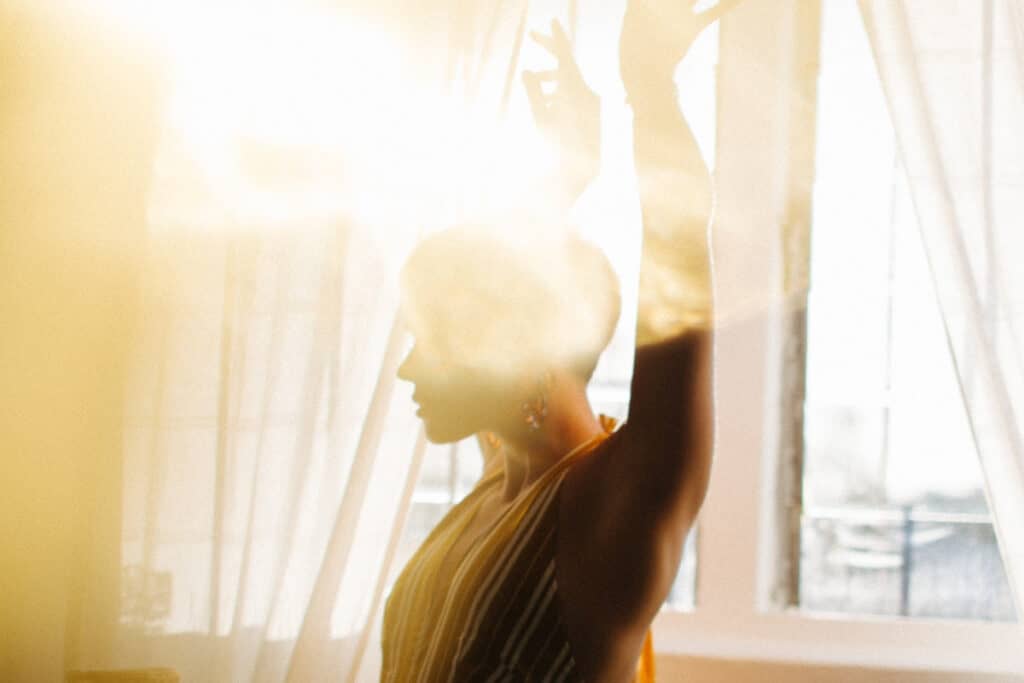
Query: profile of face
{"type": "Point", "coordinates": [489, 316]}
{"type": "Point", "coordinates": [454, 400]}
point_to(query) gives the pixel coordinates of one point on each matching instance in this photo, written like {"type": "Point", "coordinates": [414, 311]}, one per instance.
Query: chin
{"type": "Point", "coordinates": [440, 433]}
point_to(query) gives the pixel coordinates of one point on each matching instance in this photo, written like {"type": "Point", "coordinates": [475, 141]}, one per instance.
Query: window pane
{"type": "Point", "coordinates": [895, 520]}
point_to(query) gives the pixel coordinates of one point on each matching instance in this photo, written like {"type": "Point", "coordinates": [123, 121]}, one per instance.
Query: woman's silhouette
{"type": "Point", "coordinates": [555, 565]}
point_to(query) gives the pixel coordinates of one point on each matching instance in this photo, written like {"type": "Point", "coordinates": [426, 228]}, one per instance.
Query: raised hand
{"type": "Point", "coordinates": [569, 115]}
{"type": "Point", "coordinates": [657, 34]}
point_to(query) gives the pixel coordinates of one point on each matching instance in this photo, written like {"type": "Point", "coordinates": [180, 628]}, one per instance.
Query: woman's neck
{"type": "Point", "coordinates": [570, 422]}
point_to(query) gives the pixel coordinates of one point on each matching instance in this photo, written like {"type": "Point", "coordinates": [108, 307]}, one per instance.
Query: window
{"type": "Point", "coordinates": [764, 113]}
{"type": "Point", "coordinates": [894, 519]}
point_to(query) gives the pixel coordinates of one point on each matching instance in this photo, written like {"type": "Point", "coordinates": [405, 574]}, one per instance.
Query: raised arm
{"type": "Point", "coordinates": [630, 506]}
{"type": "Point", "coordinates": [670, 424]}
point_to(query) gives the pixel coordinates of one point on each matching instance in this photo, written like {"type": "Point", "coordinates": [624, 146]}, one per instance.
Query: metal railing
{"type": "Point", "coordinates": [863, 542]}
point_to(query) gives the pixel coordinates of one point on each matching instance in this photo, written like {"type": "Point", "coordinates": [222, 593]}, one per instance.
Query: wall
{"type": "Point", "coordinates": [76, 130]}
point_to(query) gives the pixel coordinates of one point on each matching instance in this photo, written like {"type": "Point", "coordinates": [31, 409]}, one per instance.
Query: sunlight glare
{"type": "Point", "coordinates": [291, 113]}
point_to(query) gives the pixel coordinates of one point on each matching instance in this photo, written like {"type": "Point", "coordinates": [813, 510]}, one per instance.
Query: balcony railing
{"type": "Point", "coordinates": [905, 561]}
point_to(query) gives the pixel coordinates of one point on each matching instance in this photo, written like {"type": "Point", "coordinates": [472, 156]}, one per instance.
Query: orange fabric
{"type": "Point", "coordinates": [645, 665]}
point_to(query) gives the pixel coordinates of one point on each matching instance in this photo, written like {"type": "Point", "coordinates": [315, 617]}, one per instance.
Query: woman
{"type": "Point", "coordinates": [555, 565]}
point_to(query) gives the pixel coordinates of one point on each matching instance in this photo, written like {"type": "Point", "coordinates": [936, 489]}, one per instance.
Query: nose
{"type": "Point", "coordinates": [406, 371]}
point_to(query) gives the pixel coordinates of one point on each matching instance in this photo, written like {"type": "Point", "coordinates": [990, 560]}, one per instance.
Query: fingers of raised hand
{"type": "Point", "coordinates": [535, 95]}
{"type": "Point", "coordinates": [711, 14]}
{"type": "Point", "coordinates": [557, 44]}
{"type": "Point", "coordinates": [561, 40]}
{"type": "Point", "coordinates": [546, 42]}
{"type": "Point", "coordinates": [547, 75]}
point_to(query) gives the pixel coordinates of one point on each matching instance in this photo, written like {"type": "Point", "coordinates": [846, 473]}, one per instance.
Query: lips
{"type": "Point", "coordinates": [422, 398]}
{"type": "Point", "coordinates": [424, 401]}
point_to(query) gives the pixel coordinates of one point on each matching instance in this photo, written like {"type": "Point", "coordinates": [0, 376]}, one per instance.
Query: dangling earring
{"type": "Point", "coordinates": [535, 408]}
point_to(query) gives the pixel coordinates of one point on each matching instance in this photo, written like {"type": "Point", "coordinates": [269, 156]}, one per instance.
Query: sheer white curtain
{"type": "Point", "coordinates": [953, 73]}
{"type": "Point", "coordinates": [270, 454]}
{"type": "Point", "coordinates": [267, 455]}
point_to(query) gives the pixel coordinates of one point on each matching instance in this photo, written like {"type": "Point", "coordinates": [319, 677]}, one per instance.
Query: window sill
{"type": "Point", "coordinates": [844, 640]}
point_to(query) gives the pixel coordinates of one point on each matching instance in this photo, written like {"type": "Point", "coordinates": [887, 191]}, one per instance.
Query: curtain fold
{"type": "Point", "coordinates": [255, 418]}
{"type": "Point", "coordinates": [366, 665]}
{"type": "Point", "coordinates": [953, 78]}
{"type": "Point", "coordinates": [314, 635]}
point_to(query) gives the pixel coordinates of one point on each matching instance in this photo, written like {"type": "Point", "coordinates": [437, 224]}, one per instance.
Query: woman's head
{"type": "Point", "coordinates": [490, 314]}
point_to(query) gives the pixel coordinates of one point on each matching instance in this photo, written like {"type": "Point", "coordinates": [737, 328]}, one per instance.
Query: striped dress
{"type": "Point", "coordinates": [498, 619]}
